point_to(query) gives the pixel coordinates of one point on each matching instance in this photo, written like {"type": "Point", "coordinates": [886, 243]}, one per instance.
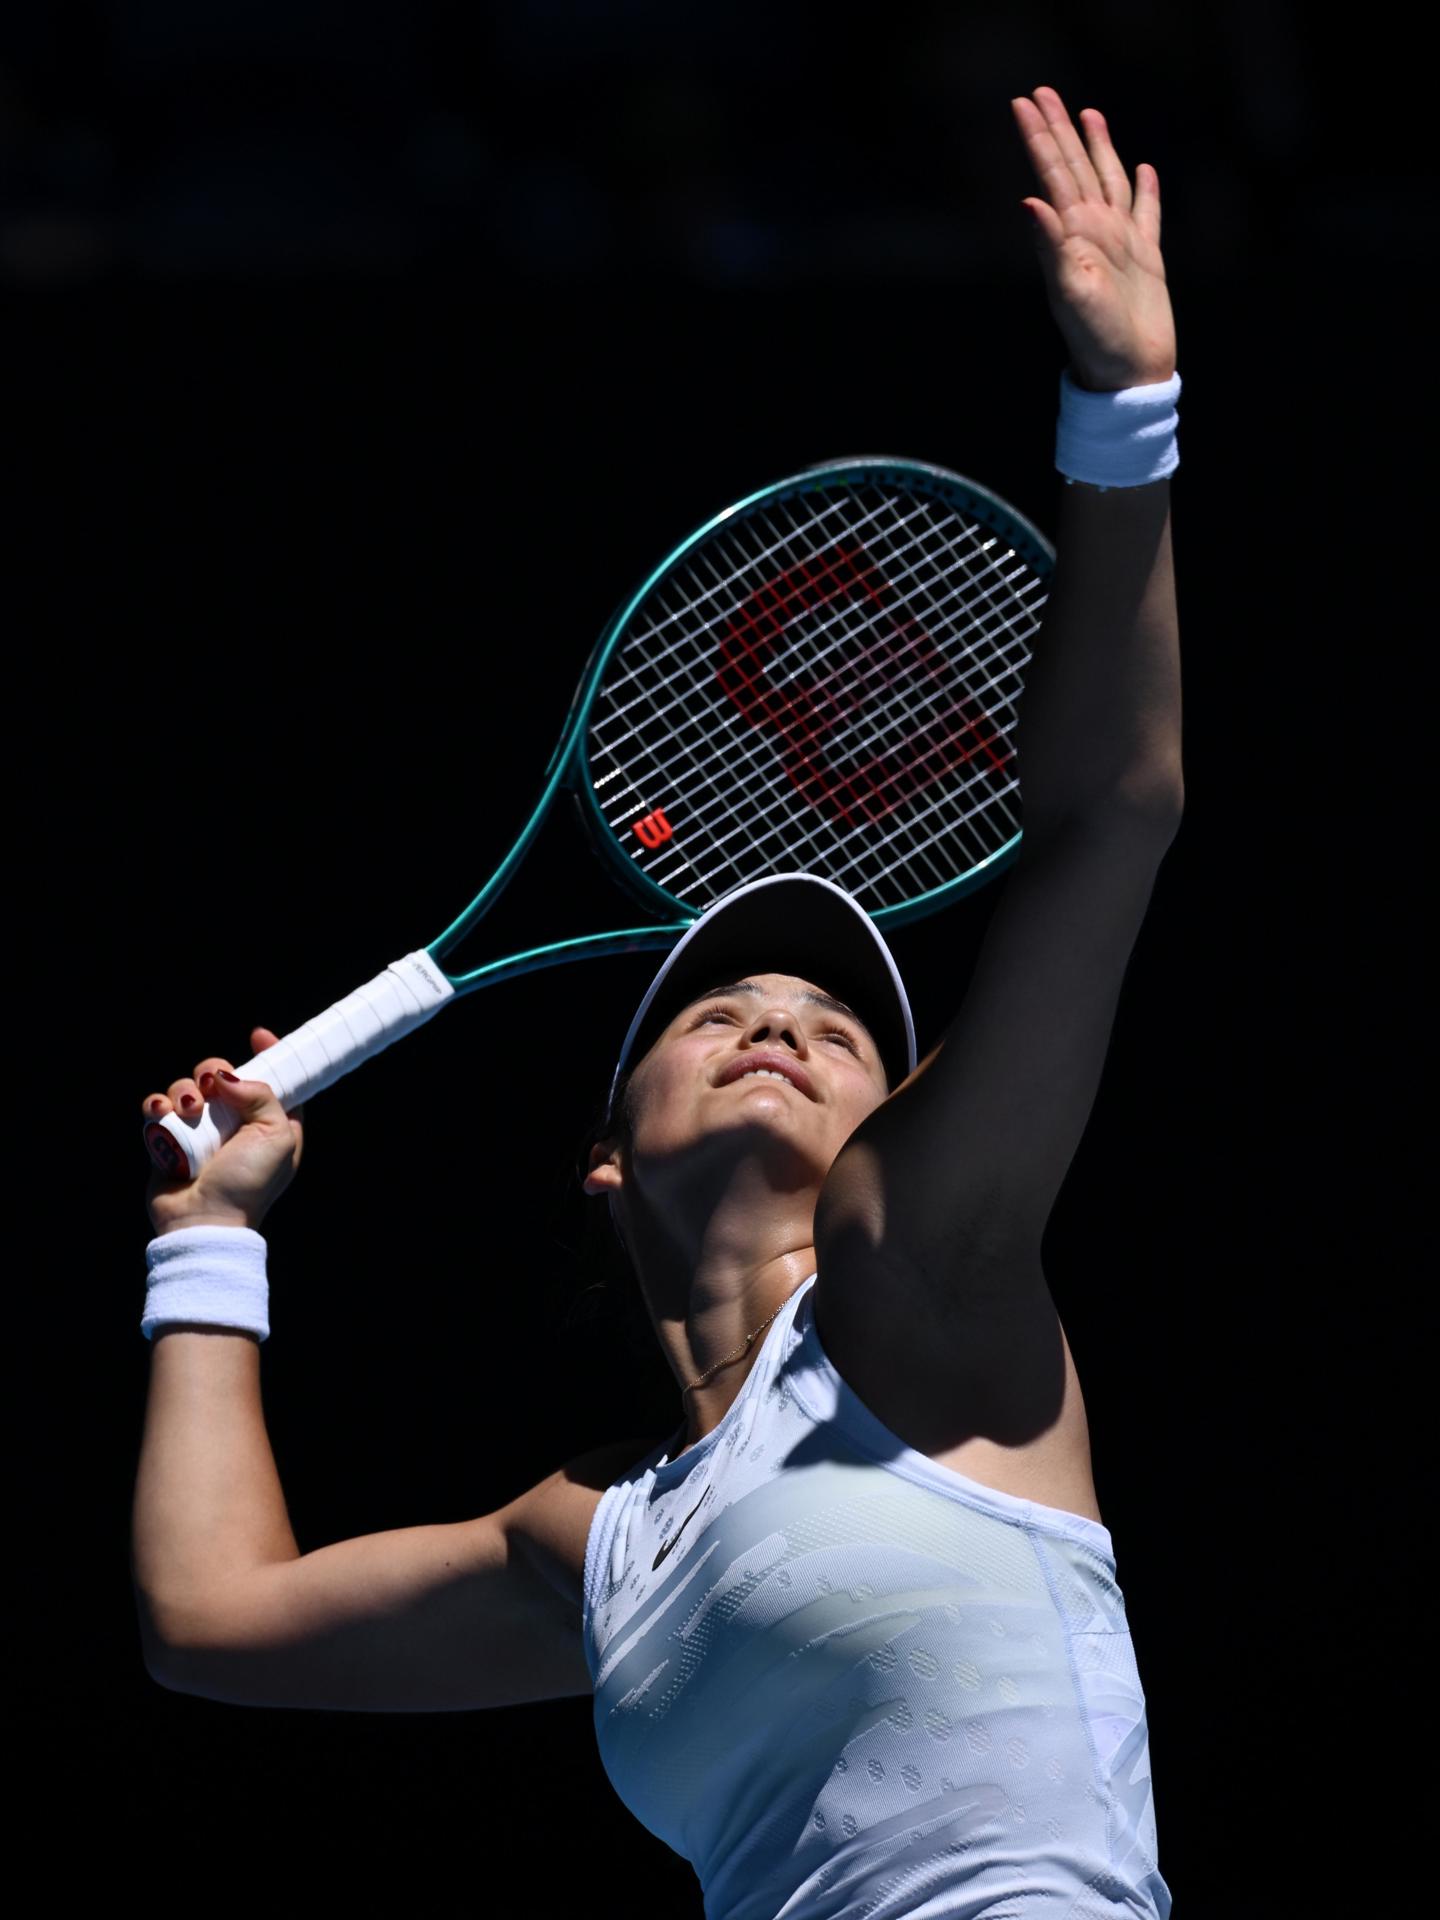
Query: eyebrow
{"type": "Point", "coordinates": [816, 999]}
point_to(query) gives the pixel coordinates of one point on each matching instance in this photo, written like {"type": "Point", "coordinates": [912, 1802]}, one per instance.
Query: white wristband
{"type": "Point", "coordinates": [1121, 439]}
{"type": "Point", "coordinates": [212, 1275]}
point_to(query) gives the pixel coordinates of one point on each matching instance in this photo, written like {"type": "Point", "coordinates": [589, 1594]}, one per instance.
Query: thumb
{"type": "Point", "coordinates": [1046, 228]}
{"type": "Point", "coordinates": [247, 1099]}
{"type": "Point", "coordinates": [262, 1039]}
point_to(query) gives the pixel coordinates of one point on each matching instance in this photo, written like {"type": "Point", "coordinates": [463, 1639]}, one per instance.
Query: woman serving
{"type": "Point", "coordinates": [852, 1629]}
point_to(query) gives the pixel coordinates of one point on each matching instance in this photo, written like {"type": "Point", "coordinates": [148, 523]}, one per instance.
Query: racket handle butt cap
{"type": "Point", "coordinates": [179, 1148]}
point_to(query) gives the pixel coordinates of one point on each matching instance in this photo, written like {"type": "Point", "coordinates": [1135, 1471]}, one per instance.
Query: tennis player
{"type": "Point", "coordinates": [852, 1629]}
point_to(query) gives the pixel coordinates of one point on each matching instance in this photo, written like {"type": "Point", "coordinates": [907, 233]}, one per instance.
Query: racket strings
{"type": "Point", "coordinates": [903, 722]}
{"type": "Point", "coordinates": [868, 780]}
{"type": "Point", "coordinates": [828, 682]}
{"type": "Point", "coordinates": [847, 692]}
{"type": "Point", "coordinates": [867, 775]}
{"type": "Point", "coordinates": [689, 712]}
{"type": "Point", "coordinates": [951, 552]}
{"type": "Point", "coordinates": [720, 597]}
{"type": "Point", "coordinates": [774, 547]}
{"type": "Point", "coordinates": [668, 714]}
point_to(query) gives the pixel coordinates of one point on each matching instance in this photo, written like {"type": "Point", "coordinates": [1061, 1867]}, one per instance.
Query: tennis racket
{"type": "Point", "coordinates": [824, 677]}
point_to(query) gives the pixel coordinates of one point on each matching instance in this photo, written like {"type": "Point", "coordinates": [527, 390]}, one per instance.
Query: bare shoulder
{"type": "Point", "coordinates": [551, 1520]}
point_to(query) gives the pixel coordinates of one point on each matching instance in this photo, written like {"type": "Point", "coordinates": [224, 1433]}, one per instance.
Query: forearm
{"type": "Point", "coordinates": [208, 1501]}
{"type": "Point", "coordinates": [1100, 713]}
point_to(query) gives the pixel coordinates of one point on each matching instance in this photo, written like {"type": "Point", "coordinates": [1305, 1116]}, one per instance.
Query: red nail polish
{"type": "Point", "coordinates": [229, 1076]}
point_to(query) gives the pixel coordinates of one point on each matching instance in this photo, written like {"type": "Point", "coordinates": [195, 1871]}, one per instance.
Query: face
{"type": "Point", "coordinates": [768, 1063]}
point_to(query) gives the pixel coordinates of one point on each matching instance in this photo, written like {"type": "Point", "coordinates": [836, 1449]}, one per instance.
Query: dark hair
{"type": "Point", "coordinates": [610, 1274]}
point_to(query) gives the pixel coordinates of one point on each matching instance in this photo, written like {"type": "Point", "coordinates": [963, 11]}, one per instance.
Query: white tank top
{"type": "Point", "coordinates": [858, 1683]}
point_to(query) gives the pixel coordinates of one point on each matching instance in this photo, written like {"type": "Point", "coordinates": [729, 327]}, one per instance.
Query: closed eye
{"type": "Point", "coordinates": [726, 1012]}
{"type": "Point", "coordinates": [830, 1033]}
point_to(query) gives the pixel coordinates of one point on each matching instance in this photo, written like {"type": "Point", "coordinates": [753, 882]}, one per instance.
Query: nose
{"type": "Point", "coordinates": [777, 1024]}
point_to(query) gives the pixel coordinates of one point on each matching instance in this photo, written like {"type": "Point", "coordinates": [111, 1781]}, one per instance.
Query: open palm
{"type": "Point", "coordinates": [1099, 246]}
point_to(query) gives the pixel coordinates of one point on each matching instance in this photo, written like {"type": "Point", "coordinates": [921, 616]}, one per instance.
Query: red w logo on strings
{"type": "Point", "coordinates": [888, 664]}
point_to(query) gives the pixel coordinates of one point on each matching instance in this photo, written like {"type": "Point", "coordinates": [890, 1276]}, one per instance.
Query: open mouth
{"type": "Point", "coordinates": [768, 1066]}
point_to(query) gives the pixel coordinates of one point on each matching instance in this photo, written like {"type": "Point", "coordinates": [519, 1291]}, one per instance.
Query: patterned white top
{"type": "Point", "coordinates": [844, 1681]}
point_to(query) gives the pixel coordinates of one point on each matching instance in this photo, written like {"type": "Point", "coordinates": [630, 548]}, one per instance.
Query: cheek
{"type": "Point", "coordinates": [865, 1101]}
{"type": "Point", "coordinates": [657, 1102]}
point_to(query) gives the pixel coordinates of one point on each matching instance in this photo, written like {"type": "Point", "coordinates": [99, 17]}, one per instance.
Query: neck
{"type": "Point", "coordinates": [708, 1289]}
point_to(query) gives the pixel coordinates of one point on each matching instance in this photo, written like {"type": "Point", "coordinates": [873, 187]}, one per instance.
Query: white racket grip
{"type": "Point", "coordinates": [407, 994]}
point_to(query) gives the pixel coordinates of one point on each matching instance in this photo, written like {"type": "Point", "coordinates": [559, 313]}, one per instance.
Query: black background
{"type": "Point", "coordinates": [363, 359]}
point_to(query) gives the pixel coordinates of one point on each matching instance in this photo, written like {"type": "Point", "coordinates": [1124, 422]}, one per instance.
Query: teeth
{"type": "Point", "coordinates": [768, 1073]}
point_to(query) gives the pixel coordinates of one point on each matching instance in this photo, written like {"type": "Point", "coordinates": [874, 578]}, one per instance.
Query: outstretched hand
{"type": "Point", "coordinates": [1099, 247]}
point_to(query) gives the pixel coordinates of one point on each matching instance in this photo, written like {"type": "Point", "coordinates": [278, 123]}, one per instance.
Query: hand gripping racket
{"type": "Point", "coordinates": [823, 677]}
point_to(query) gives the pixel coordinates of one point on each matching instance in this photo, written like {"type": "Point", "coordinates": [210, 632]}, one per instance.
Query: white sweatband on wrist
{"type": "Point", "coordinates": [212, 1275]}
{"type": "Point", "coordinates": [1121, 439]}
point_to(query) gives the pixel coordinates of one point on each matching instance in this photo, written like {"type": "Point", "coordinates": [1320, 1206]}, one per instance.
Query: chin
{"type": "Point", "coordinates": [787, 1135]}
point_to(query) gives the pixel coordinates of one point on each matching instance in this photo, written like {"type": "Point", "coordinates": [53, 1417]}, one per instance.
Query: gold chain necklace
{"type": "Point", "coordinates": [732, 1356]}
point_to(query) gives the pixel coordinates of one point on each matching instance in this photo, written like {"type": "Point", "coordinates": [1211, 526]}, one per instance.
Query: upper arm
{"type": "Point", "coordinates": [960, 1166]}
{"type": "Point", "coordinates": [417, 1619]}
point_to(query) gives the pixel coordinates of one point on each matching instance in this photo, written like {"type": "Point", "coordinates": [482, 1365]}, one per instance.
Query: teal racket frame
{"type": "Point", "coordinates": [569, 765]}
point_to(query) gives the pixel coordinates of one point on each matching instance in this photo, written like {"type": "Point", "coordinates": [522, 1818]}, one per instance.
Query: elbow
{"type": "Point", "coordinates": [156, 1652]}
{"type": "Point", "coordinates": [160, 1666]}
{"type": "Point", "coordinates": [1155, 796]}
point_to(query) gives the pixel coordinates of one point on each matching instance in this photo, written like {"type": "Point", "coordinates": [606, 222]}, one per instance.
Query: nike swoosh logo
{"type": "Point", "coordinates": [670, 1544]}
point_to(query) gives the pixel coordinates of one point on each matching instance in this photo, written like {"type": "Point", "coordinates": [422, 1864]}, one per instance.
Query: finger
{"type": "Point", "coordinates": [1147, 201]}
{"type": "Point", "coordinates": [185, 1097]}
{"type": "Point", "coordinates": [1049, 228]}
{"type": "Point", "coordinates": [262, 1037]}
{"type": "Point", "coordinates": [1045, 155]}
{"type": "Point", "coordinates": [1114, 181]}
{"type": "Point", "coordinates": [248, 1099]}
{"type": "Point", "coordinates": [209, 1067]}
{"type": "Point", "coordinates": [155, 1106]}
{"type": "Point", "coordinates": [1071, 146]}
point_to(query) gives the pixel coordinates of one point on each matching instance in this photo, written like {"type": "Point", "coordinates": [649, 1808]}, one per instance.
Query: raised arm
{"type": "Point", "coordinates": [948, 1186]}
{"type": "Point", "coordinates": [1100, 721]}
